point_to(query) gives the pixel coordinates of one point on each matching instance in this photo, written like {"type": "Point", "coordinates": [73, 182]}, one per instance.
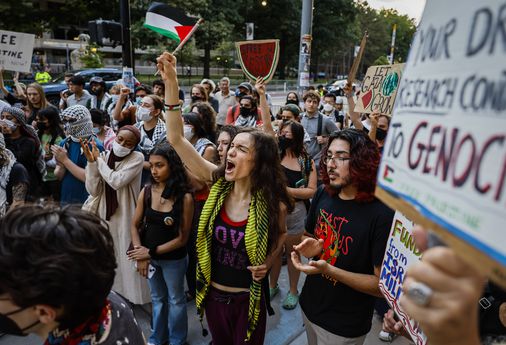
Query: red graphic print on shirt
{"type": "Point", "coordinates": [329, 228]}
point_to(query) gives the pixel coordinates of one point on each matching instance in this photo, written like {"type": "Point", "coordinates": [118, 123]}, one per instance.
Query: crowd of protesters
{"type": "Point", "coordinates": [219, 190]}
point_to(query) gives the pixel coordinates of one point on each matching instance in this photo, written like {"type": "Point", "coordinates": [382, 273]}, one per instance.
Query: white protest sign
{"type": "Point", "coordinates": [379, 89]}
{"type": "Point", "coordinates": [445, 153]}
{"type": "Point", "coordinates": [400, 253]}
{"type": "Point", "coordinates": [128, 78]}
{"type": "Point", "coordinates": [16, 50]}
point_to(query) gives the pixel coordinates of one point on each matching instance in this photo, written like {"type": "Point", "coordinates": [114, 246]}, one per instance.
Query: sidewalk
{"type": "Point", "coordinates": [283, 328]}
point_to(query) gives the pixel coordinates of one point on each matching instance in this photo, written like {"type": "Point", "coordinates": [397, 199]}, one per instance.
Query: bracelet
{"type": "Point", "coordinates": [152, 252]}
{"type": "Point", "coordinates": [172, 107]}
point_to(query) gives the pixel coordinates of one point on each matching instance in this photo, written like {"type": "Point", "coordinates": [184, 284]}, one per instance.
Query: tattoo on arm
{"type": "Point", "coordinates": [19, 192]}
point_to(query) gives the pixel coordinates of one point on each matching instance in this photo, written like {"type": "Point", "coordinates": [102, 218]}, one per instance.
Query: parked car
{"type": "Point", "coordinates": [53, 90]}
{"type": "Point", "coordinates": [336, 87]}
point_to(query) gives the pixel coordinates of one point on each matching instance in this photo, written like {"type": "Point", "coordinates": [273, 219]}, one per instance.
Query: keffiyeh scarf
{"type": "Point", "coordinates": [256, 238]}
{"type": "Point", "coordinates": [80, 124]}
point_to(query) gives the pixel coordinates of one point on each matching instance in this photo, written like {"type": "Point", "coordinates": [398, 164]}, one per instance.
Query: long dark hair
{"type": "Point", "coordinates": [177, 185]}
{"type": "Point", "coordinates": [267, 178]}
{"type": "Point", "coordinates": [298, 139]}
{"type": "Point", "coordinates": [364, 162]}
{"type": "Point", "coordinates": [195, 120]}
{"type": "Point", "coordinates": [208, 116]}
{"type": "Point", "coordinates": [54, 123]}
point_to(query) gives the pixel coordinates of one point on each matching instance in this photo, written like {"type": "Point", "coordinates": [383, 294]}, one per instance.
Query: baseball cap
{"type": "Point", "coordinates": [246, 85]}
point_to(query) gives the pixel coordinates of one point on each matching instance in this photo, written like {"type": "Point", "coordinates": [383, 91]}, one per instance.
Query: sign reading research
{"type": "Point", "coordinates": [16, 50]}
{"type": "Point", "coordinates": [445, 153]}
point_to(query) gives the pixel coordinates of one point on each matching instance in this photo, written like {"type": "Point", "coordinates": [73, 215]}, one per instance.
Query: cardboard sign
{"type": "Point", "coordinates": [379, 89]}
{"type": "Point", "coordinates": [16, 51]}
{"type": "Point", "coordinates": [444, 160]}
{"type": "Point", "coordinates": [400, 253]}
{"type": "Point", "coordinates": [258, 58]}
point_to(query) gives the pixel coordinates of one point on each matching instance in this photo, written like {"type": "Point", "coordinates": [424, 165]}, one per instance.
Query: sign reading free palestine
{"type": "Point", "coordinates": [445, 154]}
{"type": "Point", "coordinates": [16, 50]}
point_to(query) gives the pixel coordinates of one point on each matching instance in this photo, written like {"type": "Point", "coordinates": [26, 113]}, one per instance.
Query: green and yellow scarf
{"type": "Point", "coordinates": [255, 237]}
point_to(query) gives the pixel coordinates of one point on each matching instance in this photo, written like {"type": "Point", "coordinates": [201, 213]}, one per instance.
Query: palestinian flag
{"type": "Point", "coordinates": [169, 21]}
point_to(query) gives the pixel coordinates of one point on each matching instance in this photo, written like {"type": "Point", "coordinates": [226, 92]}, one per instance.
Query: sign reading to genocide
{"type": "Point", "coordinates": [379, 89]}
{"type": "Point", "coordinates": [258, 58]}
{"type": "Point", "coordinates": [400, 253]}
{"type": "Point", "coordinates": [444, 158]}
{"type": "Point", "coordinates": [16, 50]}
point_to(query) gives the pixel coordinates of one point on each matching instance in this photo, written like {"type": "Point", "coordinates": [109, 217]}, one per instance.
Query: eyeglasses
{"type": "Point", "coordinates": [336, 160]}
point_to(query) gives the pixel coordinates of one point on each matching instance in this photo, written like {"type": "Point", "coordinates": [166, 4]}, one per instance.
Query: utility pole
{"type": "Point", "coordinates": [124, 9]}
{"type": "Point", "coordinates": [392, 45]}
{"type": "Point", "coordinates": [305, 45]}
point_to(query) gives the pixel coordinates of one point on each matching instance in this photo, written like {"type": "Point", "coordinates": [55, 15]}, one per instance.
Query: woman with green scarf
{"type": "Point", "coordinates": [242, 225]}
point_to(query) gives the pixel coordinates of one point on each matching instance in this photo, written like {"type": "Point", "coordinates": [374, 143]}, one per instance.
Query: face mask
{"type": "Point", "coordinates": [12, 126]}
{"type": "Point", "coordinates": [120, 151]}
{"type": "Point", "coordinates": [284, 143]}
{"type": "Point", "coordinates": [327, 107]}
{"type": "Point", "coordinates": [292, 101]}
{"type": "Point", "coordinates": [380, 134]}
{"type": "Point", "coordinates": [8, 326]}
{"type": "Point", "coordinates": [245, 111]}
{"type": "Point", "coordinates": [75, 139]}
{"type": "Point", "coordinates": [114, 98]}
{"type": "Point", "coordinates": [96, 130]}
{"type": "Point", "coordinates": [143, 114]}
{"type": "Point", "coordinates": [41, 126]}
{"type": "Point", "coordinates": [138, 100]}
{"type": "Point", "coordinates": [188, 132]}
{"type": "Point", "coordinates": [196, 99]}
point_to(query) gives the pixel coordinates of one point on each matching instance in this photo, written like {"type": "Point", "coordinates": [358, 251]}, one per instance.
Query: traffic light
{"type": "Point", "coordinates": [105, 32]}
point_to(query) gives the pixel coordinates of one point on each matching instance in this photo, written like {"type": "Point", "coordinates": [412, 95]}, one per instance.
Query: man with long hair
{"type": "Point", "coordinates": [345, 236]}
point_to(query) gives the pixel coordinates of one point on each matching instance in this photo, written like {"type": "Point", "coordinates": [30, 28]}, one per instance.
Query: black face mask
{"type": "Point", "coordinates": [292, 101]}
{"type": "Point", "coordinates": [8, 326]}
{"type": "Point", "coordinates": [284, 143]}
{"type": "Point", "coordinates": [196, 99]}
{"type": "Point", "coordinates": [246, 111]}
{"type": "Point", "coordinates": [380, 134]}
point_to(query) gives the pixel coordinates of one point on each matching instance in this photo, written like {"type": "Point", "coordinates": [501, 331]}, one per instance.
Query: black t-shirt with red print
{"type": "Point", "coordinates": [355, 236]}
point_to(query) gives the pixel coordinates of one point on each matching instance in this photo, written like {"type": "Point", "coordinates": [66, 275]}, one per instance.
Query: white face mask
{"type": "Point", "coordinates": [143, 114]}
{"type": "Point", "coordinates": [119, 150]}
{"type": "Point", "coordinates": [327, 107]}
{"type": "Point", "coordinates": [188, 132]}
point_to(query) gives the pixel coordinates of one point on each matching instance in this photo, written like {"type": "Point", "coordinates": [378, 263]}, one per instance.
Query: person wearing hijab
{"type": "Point", "coordinates": [22, 140]}
{"type": "Point", "coordinates": [113, 180]}
{"type": "Point", "coordinates": [69, 156]}
{"type": "Point", "coordinates": [14, 180]}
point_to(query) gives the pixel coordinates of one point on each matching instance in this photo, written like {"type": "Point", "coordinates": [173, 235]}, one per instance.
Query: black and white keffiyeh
{"type": "Point", "coordinates": [7, 161]}
{"type": "Point", "coordinates": [77, 122]}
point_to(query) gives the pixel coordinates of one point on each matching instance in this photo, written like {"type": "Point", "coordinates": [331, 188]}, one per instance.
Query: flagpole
{"type": "Point", "coordinates": [181, 44]}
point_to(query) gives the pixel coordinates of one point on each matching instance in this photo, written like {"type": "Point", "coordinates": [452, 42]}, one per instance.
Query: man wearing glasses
{"type": "Point", "coordinates": [346, 233]}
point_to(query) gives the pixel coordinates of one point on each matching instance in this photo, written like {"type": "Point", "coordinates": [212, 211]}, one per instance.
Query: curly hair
{"type": "Point", "coordinates": [268, 178]}
{"type": "Point", "coordinates": [177, 185]}
{"type": "Point", "coordinates": [208, 116]}
{"type": "Point", "coordinates": [61, 257]}
{"type": "Point", "coordinates": [364, 162]}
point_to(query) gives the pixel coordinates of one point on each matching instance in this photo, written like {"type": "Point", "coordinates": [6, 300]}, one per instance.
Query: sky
{"type": "Point", "coordinates": [413, 8]}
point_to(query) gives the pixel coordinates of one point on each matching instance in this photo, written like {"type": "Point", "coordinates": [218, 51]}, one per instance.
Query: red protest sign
{"type": "Point", "coordinates": [258, 58]}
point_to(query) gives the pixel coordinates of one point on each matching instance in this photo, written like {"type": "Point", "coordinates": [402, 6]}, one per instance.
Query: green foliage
{"type": "Point", "coordinates": [92, 57]}
{"type": "Point", "coordinates": [338, 25]}
{"type": "Point", "coordinates": [382, 60]}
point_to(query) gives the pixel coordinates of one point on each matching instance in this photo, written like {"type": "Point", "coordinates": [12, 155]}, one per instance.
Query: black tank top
{"type": "Point", "coordinates": [292, 176]}
{"type": "Point", "coordinates": [158, 233]}
{"type": "Point", "coordinates": [229, 259]}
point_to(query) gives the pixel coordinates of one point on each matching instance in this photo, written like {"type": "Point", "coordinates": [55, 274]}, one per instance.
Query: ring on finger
{"type": "Point", "coordinates": [419, 293]}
